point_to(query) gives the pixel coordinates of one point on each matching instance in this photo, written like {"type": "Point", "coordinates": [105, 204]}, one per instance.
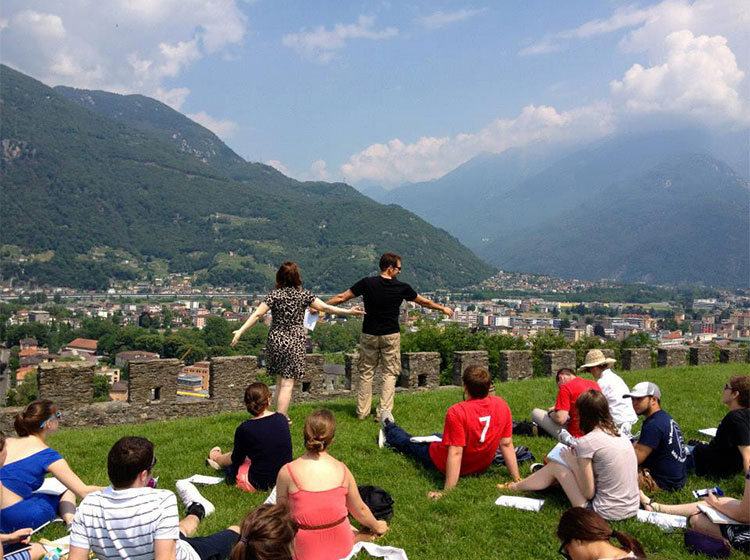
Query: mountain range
{"type": "Point", "coordinates": [98, 186]}
{"type": "Point", "coordinates": [656, 207]}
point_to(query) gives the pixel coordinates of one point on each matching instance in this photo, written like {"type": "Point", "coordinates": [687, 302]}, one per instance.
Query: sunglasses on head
{"type": "Point", "coordinates": [728, 386]}
{"type": "Point", "coordinates": [562, 550]}
{"type": "Point", "coordinates": [55, 416]}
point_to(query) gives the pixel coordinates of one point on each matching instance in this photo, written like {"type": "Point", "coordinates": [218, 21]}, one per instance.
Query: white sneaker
{"type": "Point", "coordinates": [387, 418]}
{"type": "Point", "coordinates": [189, 495]}
{"type": "Point", "coordinates": [381, 438]}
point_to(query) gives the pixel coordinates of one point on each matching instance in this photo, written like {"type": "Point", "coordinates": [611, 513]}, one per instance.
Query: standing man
{"type": "Point", "coordinates": [613, 387]}
{"type": "Point", "coordinates": [380, 340]}
{"type": "Point", "coordinates": [661, 450]}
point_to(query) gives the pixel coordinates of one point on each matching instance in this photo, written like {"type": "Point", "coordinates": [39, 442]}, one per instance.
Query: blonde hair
{"type": "Point", "coordinates": [320, 427]}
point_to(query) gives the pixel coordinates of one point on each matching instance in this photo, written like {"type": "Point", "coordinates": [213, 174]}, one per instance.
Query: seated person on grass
{"type": "Point", "coordinates": [266, 533]}
{"type": "Point", "coordinates": [612, 387]}
{"type": "Point", "coordinates": [660, 449]}
{"type": "Point", "coordinates": [564, 413]}
{"type": "Point", "coordinates": [130, 519]}
{"type": "Point", "coordinates": [262, 444]}
{"type": "Point", "coordinates": [729, 451]}
{"type": "Point", "coordinates": [473, 430]}
{"type": "Point", "coordinates": [738, 534]}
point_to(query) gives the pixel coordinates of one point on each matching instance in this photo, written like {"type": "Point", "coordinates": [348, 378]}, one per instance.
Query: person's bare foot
{"type": "Point", "coordinates": [647, 503]}
{"type": "Point", "coordinates": [507, 485]}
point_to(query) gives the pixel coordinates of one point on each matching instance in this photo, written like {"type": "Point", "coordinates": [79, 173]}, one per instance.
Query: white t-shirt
{"type": "Point", "coordinates": [123, 524]}
{"type": "Point", "coordinates": [613, 387]}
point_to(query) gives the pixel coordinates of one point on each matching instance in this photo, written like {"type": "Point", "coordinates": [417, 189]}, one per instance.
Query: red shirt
{"type": "Point", "coordinates": [566, 400]}
{"type": "Point", "coordinates": [477, 425]}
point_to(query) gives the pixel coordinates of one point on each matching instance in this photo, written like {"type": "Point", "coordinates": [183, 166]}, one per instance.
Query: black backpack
{"type": "Point", "coordinates": [378, 500]}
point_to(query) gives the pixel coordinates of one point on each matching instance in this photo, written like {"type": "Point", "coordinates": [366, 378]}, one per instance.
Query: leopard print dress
{"type": "Point", "coordinates": [285, 347]}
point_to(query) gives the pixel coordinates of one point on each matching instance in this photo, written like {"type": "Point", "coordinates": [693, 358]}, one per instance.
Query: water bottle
{"type": "Point", "coordinates": [703, 492]}
{"type": "Point", "coordinates": [566, 438]}
{"type": "Point", "coordinates": [53, 555]}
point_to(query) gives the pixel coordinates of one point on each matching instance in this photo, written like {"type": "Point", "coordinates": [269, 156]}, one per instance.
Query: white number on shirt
{"type": "Point", "coordinates": [486, 421]}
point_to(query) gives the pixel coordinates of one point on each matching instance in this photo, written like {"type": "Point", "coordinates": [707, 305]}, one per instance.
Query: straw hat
{"type": "Point", "coordinates": [596, 358]}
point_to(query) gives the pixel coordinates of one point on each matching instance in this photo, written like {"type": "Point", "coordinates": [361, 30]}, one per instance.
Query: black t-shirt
{"type": "Point", "coordinates": [721, 457]}
{"type": "Point", "coordinates": [382, 297]}
{"type": "Point", "coordinates": [267, 443]}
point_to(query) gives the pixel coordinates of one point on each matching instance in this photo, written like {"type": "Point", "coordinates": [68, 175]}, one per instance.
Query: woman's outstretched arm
{"type": "Point", "coordinates": [257, 314]}
{"type": "Point", "coordinates": [320, 305]}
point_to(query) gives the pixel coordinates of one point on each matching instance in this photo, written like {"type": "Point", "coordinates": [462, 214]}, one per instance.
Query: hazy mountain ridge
{"type": "Point", "coordinates": [111, 191]}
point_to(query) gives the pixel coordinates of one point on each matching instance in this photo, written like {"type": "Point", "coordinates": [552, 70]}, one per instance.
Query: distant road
{"type": "Point", "coordinates": [163, 295]}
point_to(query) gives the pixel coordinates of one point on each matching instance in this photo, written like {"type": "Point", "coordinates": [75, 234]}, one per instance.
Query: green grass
{"type": "Point", "coordinates": [465, 524]}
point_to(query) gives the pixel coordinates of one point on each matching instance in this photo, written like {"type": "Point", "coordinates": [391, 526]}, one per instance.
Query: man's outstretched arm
{"type": "Point", "coordinates": [424, 302]}
{"type": "Point", "coordinates": [341, 298]}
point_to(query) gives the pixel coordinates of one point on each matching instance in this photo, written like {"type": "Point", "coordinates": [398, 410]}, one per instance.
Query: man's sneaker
{"type": "Point", "coordinates": [381, 438]}
{"type": "Point", "coordinates": [536, 467]}
{"type": "Point", "coordinates": [387, 418]}
{"type": "Point", "coordinates": [189, 495]}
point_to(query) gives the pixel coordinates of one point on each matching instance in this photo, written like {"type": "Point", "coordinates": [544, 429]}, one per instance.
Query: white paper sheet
{"type": "Point", "coordinates": [519, 502]}
{"type": "Point", "coordinates": [271, 497]}
{"type": "Point", "coordinates": [376, 551]}
{"type": "Point", "coordinates": [310, 320]}
{"type": "Point", "coordinates": [666, 521]}
{"type": "Point", "coordinates": [426, 439]}
{"type": "Point", "coordinates": [716, 516]}
{"type": "Point", "coordinates": [204, 480]}
{"type": "Point", "coordinates": [51, 486]}
{"type": "Point", "coordinates": [555, 454]}
{"type": "Point", "coordinates": [710, 432]}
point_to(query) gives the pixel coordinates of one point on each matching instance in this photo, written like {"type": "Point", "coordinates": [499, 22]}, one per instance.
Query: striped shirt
{"type": "Point", "coordinates": [119, 524]}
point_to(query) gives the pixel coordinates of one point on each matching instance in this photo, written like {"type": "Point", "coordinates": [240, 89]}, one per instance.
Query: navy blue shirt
{"type": "Point", "coordinates": [668, 452]}
{"type": "Point", "coordinates": [267, 443]}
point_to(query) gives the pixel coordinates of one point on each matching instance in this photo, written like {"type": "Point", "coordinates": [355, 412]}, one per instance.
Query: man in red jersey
{"type": "Point", "coordinates": [473, 431]}
{"type": "Point", "coordinates": [564, 413]}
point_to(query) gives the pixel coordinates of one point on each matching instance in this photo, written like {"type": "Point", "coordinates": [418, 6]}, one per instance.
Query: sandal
{"type": "Point", "coordinates": [648, 503]}
{"type": "Point", "coordinates": [506, 485]}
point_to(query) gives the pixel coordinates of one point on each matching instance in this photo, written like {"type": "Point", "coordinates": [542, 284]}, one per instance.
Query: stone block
{"type": "Point", "coordinates": [68, 384]}
{"type": "Point", "coordinates": [516, 364]}
{"type": "Point", "coordinates": [554, 360]}
{"type": "Point", "coordinates": [702, 355]}
{"type": "Point", "coordinates": [229, 376]}
{"type": "Point", "coordinates": [672, 356]}
{"type": "Point", "coordinates": [732, 355]}
{"type": "Point", "coordinates": [311, 386]}
{"type": "Point", "coordinates": [636, 358]}
{"type": "Point", "coordinates": [466, 358]}
{"type": "Point", "coordinates": [153, 381]}
{"type": "Point", "coordinates": [420, 369]}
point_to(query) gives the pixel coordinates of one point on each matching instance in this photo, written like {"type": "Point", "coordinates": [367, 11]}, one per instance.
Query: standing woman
{"type": "Point", "coordinates": [285, 347]}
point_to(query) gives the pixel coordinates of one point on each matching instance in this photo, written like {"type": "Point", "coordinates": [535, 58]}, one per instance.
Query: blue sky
{"type": "Point", "coordinates": [392, 92]}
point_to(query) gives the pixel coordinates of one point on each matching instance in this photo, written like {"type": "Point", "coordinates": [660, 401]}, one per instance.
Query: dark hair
{"type": "Point", "coordinates": [593, 411]}
{"type": "Point", "coordinates": [266, 533]}
{"type": "Point", "coordinates": [128, 458]}
{"type": "Point", "coordinates": [288, 276]}
{"type": "Point", "coordinates": [477, 380]}
{"type": "Point", "coordinates": [320, 427]}
{"type": "Point", "coordinates": [389, 259]}
{"type": "Point", "coordinates": [563, 371]}
{"type": "Point", "coordinates": [256, 397]}
{"type": "Point", "coordinates": [29, 420]}
{"type": "Point", "coordinates": [2, 441]}
{"type": "Point", "coordinates": [741, 384]}
{"type": "Point", "coordinates": [587, 525]}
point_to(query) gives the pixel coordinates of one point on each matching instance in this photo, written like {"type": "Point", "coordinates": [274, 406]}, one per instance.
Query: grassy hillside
{"type": "Point", "coordinates": [87, 198]}
{"type": "Point", "coordinates": [465, 524]}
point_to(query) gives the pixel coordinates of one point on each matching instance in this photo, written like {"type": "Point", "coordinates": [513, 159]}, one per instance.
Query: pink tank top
{"type": "Point", "coordinates": [315, 508]}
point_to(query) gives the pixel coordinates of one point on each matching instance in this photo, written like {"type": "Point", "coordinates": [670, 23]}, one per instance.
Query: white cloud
{"type": "Point", "coordinates": [124, 46]}
{"type": "Point", "coordinates": [396, 162]}
{"type": "Point", "coordinates": [321, 44]}
{"type": "Point", "coordinates": [279, 167]}
{"type": "Point", "coordinates": [223, 128]}
{"type": "Point", "coordinates": [318, 171]}
{"type": "Point", "coordinates": [699, 78]}
{"type": "Point", "coordinates": [440, 19]}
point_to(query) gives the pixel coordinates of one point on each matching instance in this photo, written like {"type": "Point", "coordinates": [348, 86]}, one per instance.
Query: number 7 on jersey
{"type": "Point", "coordinates": [486, 421]}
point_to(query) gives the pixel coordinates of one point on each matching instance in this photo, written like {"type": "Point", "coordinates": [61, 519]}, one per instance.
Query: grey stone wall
{"type": "Point", "coordinates": [636, 358]}
{"type": "Point", "coordinates": [516, 364]}
{"type": "Point", "coordinates": [420, 370]}
{"type": "Point", "coordinates": [229, 376]}
{"type": "Point", "coordinates": [466, 358]}
{"type": "Point", "coordinates": [733, 355]}
{"type": "Point", "coordinates": [554, 360]}
{"type": "Point", "coordinates": [69, 384]}
{"type": "Point", "coordinates": [310, 387]}
{"type": "Point", "coordinates": [672, 356]}
{"type": "Point", "coordinates": [702, 355]}
{"type": "Point", "coordinates": [153, 378]}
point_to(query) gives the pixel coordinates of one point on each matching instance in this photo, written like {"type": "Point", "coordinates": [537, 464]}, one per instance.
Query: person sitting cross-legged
{"type": "Point", "coordinates": [474, 428]}
{"type": "Point", "coordinates": [129, 519]}
{"type": "Point", "coordinates": [612, 387]}
{"type": "Point", "coordinates": [601, 472]}
{"type": "Point", "coordinates": [660, 448]}
{"type": "Point", "coordinates": [564, 413]}
{"type": "Point", "coordinates": [728, 452]}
